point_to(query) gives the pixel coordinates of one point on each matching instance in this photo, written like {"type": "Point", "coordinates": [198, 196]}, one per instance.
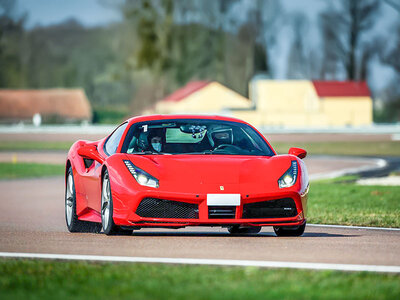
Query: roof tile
{"type": "Point", "coordinates": [341, 88]}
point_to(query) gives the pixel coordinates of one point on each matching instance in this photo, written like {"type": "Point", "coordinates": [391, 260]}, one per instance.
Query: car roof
{"type": "Point", "coordinates": [182, 116]}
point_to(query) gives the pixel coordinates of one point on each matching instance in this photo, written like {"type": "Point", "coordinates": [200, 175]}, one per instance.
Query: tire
{"type": "Point", "coordinates": [107, 220]}
{"type": "Point", "coordinates": [290, 231]}
{"type": "Point", "coordinates": [236, 229]}
{"type": "Point", "coordinates": [71, 218]}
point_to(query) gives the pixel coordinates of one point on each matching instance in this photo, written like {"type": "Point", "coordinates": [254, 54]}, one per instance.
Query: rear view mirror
{"type": "Point", "coordinates": [90, 152]}
{"type": "Point", "coordinates": [300, 153]}
{"type": "Point", "coordinates": [190, 128]}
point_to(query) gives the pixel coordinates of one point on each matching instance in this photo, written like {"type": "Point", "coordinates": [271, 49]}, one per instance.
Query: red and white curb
{"type": "Point", "coordinates": [212, 262]}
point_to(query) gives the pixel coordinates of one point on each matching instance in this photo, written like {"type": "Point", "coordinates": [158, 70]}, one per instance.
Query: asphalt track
{"type": "Point", "coordinates": [32, 221]}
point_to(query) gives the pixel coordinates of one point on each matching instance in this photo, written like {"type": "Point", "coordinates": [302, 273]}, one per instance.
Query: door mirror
{"type": "Point", "coordinates": [90, 152]}
{"type": "Point", "coordinates": [300, 153]}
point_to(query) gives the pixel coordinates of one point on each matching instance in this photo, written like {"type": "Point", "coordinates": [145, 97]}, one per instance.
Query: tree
{"type": "Point", "coordinates": [342, 30]}
{"type": "Point", "coordinates": [297, 62]}
{"type": "Point", "coordinates": [11, 36]}
{"type": "Point", "coordinates": [390, 56]}
{"type": "Point", "coordinates": [152, 21]}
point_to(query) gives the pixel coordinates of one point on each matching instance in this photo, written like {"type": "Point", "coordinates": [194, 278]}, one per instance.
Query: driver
{"type": "Point", "coordinates": [155, 140]}
{"type": "Point", "coordinates": [156, 143]}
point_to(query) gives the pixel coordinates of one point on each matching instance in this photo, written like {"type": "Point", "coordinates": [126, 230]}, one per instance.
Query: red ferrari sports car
{"type": "Point", "coordinates": [176, 171]}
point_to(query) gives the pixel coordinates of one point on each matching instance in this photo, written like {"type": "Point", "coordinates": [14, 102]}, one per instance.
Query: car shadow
{"type": "Point", "coordinates": [223, 234]}
{"type": "Point", "coordinates": [324, 234]}
{"type": "Point", "coordinates": [190, 234]}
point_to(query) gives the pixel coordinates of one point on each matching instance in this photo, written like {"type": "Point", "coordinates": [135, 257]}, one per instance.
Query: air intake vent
{"type": "Point", "coordinates": [161, 208]}
{"type": "Point", "coordinates": [280, 208]}
{"type": "Point", "coordinates": [221, 212]}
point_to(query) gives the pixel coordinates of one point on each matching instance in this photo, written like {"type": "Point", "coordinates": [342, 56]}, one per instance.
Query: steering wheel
{"type": "Point", "coordinates": [223, 146]}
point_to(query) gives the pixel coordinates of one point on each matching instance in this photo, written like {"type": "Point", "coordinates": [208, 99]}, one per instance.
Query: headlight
{"type": "Point", "coordinates": [142, 177]}
{"type": "Point", "coordinates": [289, 178]}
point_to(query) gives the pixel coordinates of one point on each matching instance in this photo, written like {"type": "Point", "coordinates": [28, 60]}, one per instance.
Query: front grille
{"type": "Point", "coordinates": [221, 212]}
{"type": "Point", "coordinates": [280, 208]}
{"type": "Point", "coordinates": [161, 208]}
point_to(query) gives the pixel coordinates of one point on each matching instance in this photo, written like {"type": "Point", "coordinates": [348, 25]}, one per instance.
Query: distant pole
{"type": "Point", "coordinates": [37, 120]}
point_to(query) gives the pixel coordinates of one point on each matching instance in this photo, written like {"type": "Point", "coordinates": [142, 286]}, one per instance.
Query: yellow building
{"type": "Point", "coordinates": [302, 103]}
{"type": "Point", "coordinates": [201, 97]}
{"type": "Point", "coordinates": [280, 103]}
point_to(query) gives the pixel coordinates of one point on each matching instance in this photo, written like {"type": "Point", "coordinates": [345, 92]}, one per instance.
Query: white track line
{"type": "Point", "coordinates": [354, 227]}
{"type": "Point", "coordinates": [216, 262]}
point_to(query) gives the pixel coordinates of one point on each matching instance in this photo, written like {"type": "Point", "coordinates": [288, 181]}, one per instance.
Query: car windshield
{"type": "Point", "coordinates": [194, 136]}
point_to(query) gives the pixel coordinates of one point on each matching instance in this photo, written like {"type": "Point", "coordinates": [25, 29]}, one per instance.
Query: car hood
{"type": "Point", "coordinates": [213, 172]}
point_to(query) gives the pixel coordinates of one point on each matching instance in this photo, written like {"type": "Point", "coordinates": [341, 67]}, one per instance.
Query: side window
{"type": "Point", "coordinates": [111, 145]}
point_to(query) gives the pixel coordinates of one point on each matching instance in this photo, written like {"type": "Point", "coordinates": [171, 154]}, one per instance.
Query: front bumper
{"type": "Point", "coordinates": [126, 210]}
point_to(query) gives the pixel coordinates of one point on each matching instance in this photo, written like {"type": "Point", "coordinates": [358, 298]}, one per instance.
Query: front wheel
{"type": "Point", "coordinates": [71, 218]}
{"type": "Point", "coordinates": [107, 220]}
{"type": "Point", "coordinates": [236, 229]}
{"type": "Point", "coordinates": [290, 230]}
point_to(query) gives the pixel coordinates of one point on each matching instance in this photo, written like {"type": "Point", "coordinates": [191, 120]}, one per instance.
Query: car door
{"type": "Point", "coordinates": [92, 177]}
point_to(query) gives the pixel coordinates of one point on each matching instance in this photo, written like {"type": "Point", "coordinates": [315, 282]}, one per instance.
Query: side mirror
{"type": "Point", "coordinates": [300, 153]}
{"type": "Point", "coordinates": [90, 152]}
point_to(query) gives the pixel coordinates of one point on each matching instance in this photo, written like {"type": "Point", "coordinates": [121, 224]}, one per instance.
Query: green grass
{"type": "Point", "coordinates": [34, 145]}
{"type": "Point", "coordinates": [338, 202]}
{"type": "Point", "coordinates": [389, 148]}
{"type": "Point", "coordinates": [25, 170]}
{"type": "Point", "coordinates": [30, 279]}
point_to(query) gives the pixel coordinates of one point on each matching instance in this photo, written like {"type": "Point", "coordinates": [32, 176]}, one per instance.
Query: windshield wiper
{"type": "Point", "coordinates": [147, 152]}
{"type": "Point", "coordinates": [208, 152]}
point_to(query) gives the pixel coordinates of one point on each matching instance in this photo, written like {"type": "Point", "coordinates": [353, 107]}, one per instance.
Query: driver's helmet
{"type": "Point", "coordinates": [222, 137]}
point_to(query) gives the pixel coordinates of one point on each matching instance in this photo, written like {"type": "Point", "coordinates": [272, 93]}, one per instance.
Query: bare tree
{"type": "Point", "coordinates": [298, 67]}
{"type": "Point", "coordinates": [391, 57]}
{"type": "Point", "coordinates": [342, 30]}
{"type": "Point", "coordinates": [394, 4]}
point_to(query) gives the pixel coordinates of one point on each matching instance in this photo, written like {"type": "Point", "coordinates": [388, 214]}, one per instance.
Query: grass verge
{"type": "Point", "coordinates": [26, 170]}
{"type": "Point", "coordinates": [34, 145]}
{"type": "Point", "coordinates": [338, 202]}
{"type": "Point", "coordinates": [389, 148]}
{"type": "Point", "coordinates": [37, 279]}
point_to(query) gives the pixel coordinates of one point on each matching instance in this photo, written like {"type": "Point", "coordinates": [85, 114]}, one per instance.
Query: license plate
{"type": "Point", "coordinates": [223, 199]}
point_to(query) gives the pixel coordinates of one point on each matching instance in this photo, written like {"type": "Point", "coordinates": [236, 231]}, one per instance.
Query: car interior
{"type": "Point", "coordinates": [195, 138]}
